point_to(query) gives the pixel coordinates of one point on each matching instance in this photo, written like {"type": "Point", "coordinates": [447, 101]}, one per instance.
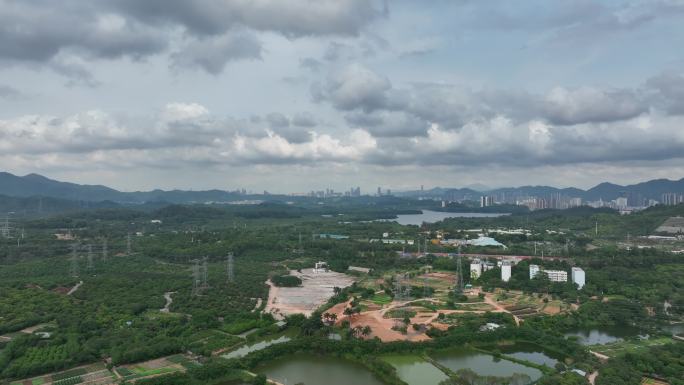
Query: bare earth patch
{"type": "Point", "coordinates": [316, 289]}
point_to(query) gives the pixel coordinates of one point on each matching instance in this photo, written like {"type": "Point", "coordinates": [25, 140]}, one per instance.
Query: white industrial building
{"type": "Point", "coordinates": [506, 271]}
{"type": "Point", "coordinates": [554, 275]}
{"type": "Point", "coordinates": [578, 277]}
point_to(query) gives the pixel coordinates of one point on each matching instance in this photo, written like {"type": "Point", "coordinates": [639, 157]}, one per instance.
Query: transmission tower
{"type": "Point", "coordinates": [398, 288]}
{"type": "Point", "coordinates": [6, 229]}
{"type": "Point", "coordinates": [205, 274]}
{"type": "Point", "coordinates": [231, 273]}
{"type": "Point", "coordinates": [196, 280]}
{"type": "Point", "coordinates": [105, 250]}
{"type": "Point", "coordinates": [74, 261]}
{"type": "Point", "coordinates": [426, 287]}
{"type": "Point", "coordinates": [128, 244]}
{"type": "Point", "coordinates": [459, 285]}
{"type": "Point", "coordinates": [90, 257]}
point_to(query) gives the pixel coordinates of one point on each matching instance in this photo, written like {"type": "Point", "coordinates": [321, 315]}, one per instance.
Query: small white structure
{"type": "Point", "coordinates": [360, 269]}
{"type": "Point", "coordinates": [321, 267]}
{"type": "Point", "coordinates": [534, 270]}
{"type": "Point", "coordinates": [490, 326]}
{"type": "Point", "coordinates": [475, 269]}
{"type": "Point", "coordinates": [578, 277]}
{"type": "Point", "coordinates": [506, 271]}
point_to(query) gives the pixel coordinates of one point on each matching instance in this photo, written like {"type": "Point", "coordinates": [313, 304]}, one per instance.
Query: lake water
{"type": "Point", "coordinates": [415, 371]}
{"type": "Point", "coordinates": [483, 364]}
{"type": "Point", "coordinates": [674, 329]}
{"type": "Point", "coordinates": [529, 352]}
{"type": "Point", "coordinates": [315, 370]}
{"type": "Point", "coordinates": [429, 216]}
{"type": "Point", "coordinates": [603, 335]}
{"type": "Point", "coordinates": [257, 345]}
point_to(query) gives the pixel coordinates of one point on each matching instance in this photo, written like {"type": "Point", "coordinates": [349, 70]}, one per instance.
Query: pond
{"type": "Point", "coordinates": [315, 370]}
{"type": "Point", "coordinates": [415, 371]}
{"type": "Point", "coordinates": [530, 352]}
{"type": "Point", "coordinates": [676, 329]}
{"type": "Point", "coordinates": [257, 345]}
{"type": "Point", "coordinates": [603, 335]}
{"type": "Point", "coordinates": [429, 216]}
{"type": "Point", "coordinates": [483, 364]}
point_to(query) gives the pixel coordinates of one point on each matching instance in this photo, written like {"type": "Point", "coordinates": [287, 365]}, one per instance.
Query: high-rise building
{"type": "Point", "coordinates": [506, 271]}
{"type": "Point", "coordinates": [578, 277]}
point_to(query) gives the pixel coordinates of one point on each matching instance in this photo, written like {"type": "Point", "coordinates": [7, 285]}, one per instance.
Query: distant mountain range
{"type": "Point", "coordinates": [34, 185]}
{"type": "Point", "coordinates": [653, 189]}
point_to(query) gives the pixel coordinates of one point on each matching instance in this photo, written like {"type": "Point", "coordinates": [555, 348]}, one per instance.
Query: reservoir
{"type": "Point", "coordinates": [603, 335]}
{"type": "Point", "coordinates": [316, 370]}
{"type": "Point", "coordinates": [483, 364]}
{"type": "Point", "coordinates": [429, 216]}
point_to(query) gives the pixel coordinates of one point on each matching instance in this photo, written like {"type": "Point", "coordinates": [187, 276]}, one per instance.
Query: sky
{"type": "Point", "coordinates": [300, 95]}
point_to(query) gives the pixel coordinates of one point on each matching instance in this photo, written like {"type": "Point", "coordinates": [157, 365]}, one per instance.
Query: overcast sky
{"type": "Point", "coordinates": [295, 95]}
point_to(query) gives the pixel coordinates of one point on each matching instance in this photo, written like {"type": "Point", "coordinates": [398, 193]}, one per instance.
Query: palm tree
{"type": "Point", "coordinates": [366, 331]}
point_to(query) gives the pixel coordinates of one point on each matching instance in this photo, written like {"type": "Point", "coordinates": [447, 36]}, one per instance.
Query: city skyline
{"type": "Point", "coordinates": [295, 95]}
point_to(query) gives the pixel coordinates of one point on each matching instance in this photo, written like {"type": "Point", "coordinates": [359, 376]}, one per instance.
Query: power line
{"type": "Point", "coordinates": [90, 257]}
{"type": "Point", "coordinates": [74, 268]}
{"type": "Point", "coordinates": [231, 272]}
{"type": "Point", "coordinates": [105, 250]}
{"type": "Point", "coordinates": [128, 244]}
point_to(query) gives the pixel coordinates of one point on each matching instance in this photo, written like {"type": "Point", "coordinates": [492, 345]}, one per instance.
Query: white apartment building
{"type": "Point", "coordinates": [578, 277]}
{"type": "Point", "coordinates": [534, 269]}
{"type": "Point", "coordinates": [506, 271]}
{"type": "Point", "coordinates": [554, 275]}
{"type": "Point", "coordinates": [557, 275]}
{"type": "Point", "coordinates": [475, 269]}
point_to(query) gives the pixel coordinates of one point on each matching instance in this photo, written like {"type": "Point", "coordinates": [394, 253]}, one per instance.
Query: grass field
{"type": "Point", "coordinates": [381, 299]}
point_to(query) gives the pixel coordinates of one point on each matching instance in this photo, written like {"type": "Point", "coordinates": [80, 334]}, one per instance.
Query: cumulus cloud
{"type": "Point", "coordinates": [668, 91]}
{"type": "Point", "coordinates": [38, 31]}
{"type": "Point", "coordinates": [588, 104]}
{"type": "Point", "coordinates": [213, 53]}
{"type": "Point", "coordinates": [354, 87]}
{"type": "Point", "coordinates": [289, 17]}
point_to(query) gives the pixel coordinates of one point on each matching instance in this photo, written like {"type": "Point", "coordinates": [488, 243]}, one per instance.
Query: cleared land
{"type": "Point", "coordinates": [673, 225]}
{"type": "Point", "coordinates": [316, 289]}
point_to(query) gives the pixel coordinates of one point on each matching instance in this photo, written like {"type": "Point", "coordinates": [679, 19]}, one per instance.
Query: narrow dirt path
{"type": "Point", "coordinates": [73, 289]}
{"type": "Point", "coordinates": [592, 377]}
{"type": "Point", "coordinates": [169, 301]}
